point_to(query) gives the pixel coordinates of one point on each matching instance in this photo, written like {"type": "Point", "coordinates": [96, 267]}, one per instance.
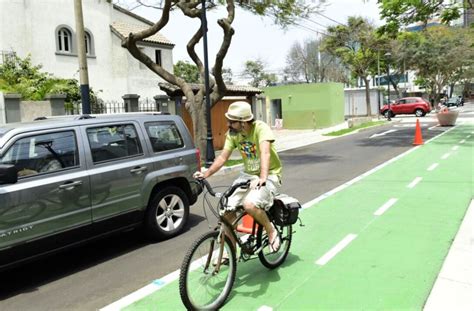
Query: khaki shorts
{"type": "Point", "coordinates": [261, 198]}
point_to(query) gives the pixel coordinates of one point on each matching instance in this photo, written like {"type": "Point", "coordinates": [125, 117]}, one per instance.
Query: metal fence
{"type": "Point", "coordinates": [108, 107]}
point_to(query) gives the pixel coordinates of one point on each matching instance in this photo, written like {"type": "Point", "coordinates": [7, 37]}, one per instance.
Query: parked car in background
{"type": "Point", "coordinates": [64, 180]}
{"type": "Point", "coordinates": [407, 105]}
{"type": "Point", "coordinates": [452, 102]}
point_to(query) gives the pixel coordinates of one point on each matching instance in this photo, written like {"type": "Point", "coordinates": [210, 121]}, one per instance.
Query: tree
{"type": "Point", "coordinates": [284, 13]}
{"type": "Point", "coordinates": [404, 12]}
{"type": "Point", "coordinates": [227, 76]}
{"type": "Point", "coordinates": [356, 45]}
{"type": "Point", "coordinates": [306, 61]}
{"type": "Point", "coordinates": [255, 70]}
{"type": "Point", "coordinates": [440, 56]}
{"type": "Point", "coordinates": [186, 71]}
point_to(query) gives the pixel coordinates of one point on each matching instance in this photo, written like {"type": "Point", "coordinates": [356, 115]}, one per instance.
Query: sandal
{"type": "Point", "coordinates": [275, 245]}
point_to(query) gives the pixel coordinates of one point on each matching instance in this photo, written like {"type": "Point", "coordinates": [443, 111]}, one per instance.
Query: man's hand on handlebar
{"type": "Point", "coordinates": [198, 175]}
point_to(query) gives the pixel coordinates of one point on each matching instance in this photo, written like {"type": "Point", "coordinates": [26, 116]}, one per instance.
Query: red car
{"type": "Point", "coordinates": [407, 105]}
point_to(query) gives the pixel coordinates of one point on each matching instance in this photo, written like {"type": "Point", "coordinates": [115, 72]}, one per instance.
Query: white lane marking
{"type": "Point", "coordinates": [445, 156]}
{"type": "Point", "coordinates": [383, 133]}
{"type": "Point", "coordinates": [462, 141]}
{"type": "Point", "coordinates": [336, 249]}
{"type": "Point", "coordinates": [142, 292]}
{"type": "Point", "coordinates": [265, 308]}
{"type": "Point", "coordinates": [385, 207]}
{"type": "Point", "coordinates": [455, 147]}
{"type": "Point", "coordinates": [414, 182]}
{"type": "Point", "coordinates": [356, 179]}
{"type": "Point", "coordinates": [433, 166]}
{"type": "Point", "coordinates": [468, 136]}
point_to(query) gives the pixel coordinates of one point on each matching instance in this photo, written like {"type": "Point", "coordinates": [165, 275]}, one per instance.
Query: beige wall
{"type": "Point", "coordinates": [34, 109]}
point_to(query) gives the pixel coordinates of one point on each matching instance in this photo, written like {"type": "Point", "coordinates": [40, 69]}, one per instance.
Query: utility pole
{"type": "Point", "coordinates": [81, 51]}
{"type": "Point", "coordinates": [389, 112]}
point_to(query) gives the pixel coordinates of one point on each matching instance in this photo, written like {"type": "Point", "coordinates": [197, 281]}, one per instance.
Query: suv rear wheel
{"type": "Point", "coordinates": [167, 213]}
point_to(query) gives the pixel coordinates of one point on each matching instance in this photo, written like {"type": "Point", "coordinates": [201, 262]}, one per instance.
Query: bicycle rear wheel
{"type": "Point", "coordinates": [267, 257]}
{"type": "Point", "coordinates": [200, 286]}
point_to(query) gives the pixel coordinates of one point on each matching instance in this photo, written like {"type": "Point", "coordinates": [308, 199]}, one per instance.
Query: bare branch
{"type": "Point", "coordinates": [130, 43]}
{"type": "Point", "coordinates": [225, 24]}
{"type": "Point", "coordinates": [189, 8]}
{"type": "Point", "coordinates": [191, 49]}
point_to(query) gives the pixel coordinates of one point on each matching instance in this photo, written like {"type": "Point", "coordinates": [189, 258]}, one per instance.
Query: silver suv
{"type": "Point", "coordinates": [64, 180]}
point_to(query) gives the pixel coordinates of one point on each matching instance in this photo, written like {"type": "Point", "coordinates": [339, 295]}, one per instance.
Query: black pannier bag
{"type": "Point", "coordinates": [285, 210]}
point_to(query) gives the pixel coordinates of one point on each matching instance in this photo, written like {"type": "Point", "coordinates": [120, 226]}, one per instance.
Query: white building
{"type": "Point", "coordinates": [46, 30]}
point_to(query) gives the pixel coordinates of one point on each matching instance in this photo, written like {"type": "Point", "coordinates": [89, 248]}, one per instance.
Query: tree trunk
{"type": "Point", "coordinates": [367, 96]}
{"type": "Point", "coordinates": [198, 116]}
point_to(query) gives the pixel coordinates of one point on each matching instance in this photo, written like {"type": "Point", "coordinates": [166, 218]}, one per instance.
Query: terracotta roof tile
{"type": "Point", "coordinates": [124, 29]}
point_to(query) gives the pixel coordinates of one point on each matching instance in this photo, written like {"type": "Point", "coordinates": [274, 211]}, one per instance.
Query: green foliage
{"type": "Point", "coordinates": [186, 71]}
{"type": "Point", "coordinates": [404, 12]}
{"type": "Point", "coordinates": [255, 70]}
{"type": "Point", "coordinates": [440, 56]}
{"type": "Point", "coordinates": [356, 44]}
{"type": "Point", "coordinates": [19, 75]}
{"type": "Point", "coordinates": [283, 12]}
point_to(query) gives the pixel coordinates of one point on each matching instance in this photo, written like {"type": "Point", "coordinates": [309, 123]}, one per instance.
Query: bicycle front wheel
{"type": "Point", "coordinates": [201, 286]}
{"type": "Point", "coordinates": [270, 259]}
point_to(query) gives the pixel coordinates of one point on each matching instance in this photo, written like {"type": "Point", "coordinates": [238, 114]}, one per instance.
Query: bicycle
{"type": "Point", "coordinates": [207, 275]}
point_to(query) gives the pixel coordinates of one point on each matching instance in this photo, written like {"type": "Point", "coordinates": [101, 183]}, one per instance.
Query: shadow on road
{"type": "Point", "coordinates": [29, 277]}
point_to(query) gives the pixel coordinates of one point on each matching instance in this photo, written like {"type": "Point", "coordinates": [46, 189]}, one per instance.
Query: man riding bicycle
{"type": "Point", "coordinates": [262, 166]}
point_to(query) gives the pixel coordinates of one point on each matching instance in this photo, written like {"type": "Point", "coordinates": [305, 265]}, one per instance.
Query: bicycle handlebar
{"type": "Point", "coordinates": [229, 192]}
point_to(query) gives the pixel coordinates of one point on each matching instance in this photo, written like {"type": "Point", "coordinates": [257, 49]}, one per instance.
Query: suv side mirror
{"type": "Point", "coordinates": [8, 174]}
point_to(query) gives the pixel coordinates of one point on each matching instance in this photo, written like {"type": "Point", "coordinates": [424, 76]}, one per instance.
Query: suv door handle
{"type": "Point", "coordinates": [70, 185]}
{"type": "Point", "coordinates": [138, 169]}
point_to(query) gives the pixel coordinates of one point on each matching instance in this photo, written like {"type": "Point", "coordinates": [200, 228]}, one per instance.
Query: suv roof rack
{"type": "Point", "coordinates": [40, 118]}
{"type": "Point", "coordinates": [84, 117]}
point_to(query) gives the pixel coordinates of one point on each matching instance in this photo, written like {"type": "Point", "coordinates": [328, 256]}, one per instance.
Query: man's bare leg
{"type": "Point", "coordinates": [261, 217]}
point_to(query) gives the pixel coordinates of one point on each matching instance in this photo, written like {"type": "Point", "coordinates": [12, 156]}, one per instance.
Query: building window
{"type": "Point", "coordinates": [88, 42]}
{"type": "Point", "coordinates": [64, 40]}
{"type": "Point", "coordinates": [158, 57]}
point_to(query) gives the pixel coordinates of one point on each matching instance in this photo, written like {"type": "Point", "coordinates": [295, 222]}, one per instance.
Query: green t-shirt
{"type": "Point", "coordinates": [249, 147]}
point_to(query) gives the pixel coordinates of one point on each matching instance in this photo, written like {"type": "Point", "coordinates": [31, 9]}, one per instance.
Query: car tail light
{"type": "Point", "coordinates": [198, 158]}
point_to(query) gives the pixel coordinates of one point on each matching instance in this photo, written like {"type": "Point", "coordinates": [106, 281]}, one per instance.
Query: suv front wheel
{"type": "Point", "coordinates": [167, 213]}
{"type": "Point", "coordinates": [419, 112]}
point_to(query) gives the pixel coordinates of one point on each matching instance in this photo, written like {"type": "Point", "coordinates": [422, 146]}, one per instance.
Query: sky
{"type": "Point", "coordinates": [256, 37]}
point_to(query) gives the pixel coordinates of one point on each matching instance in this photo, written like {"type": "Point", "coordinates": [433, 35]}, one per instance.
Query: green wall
{"type": "Point", "coordinates": [309, 106]}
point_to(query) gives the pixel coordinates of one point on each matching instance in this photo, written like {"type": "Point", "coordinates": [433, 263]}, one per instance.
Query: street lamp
{"type": "Point", "coordinates": [209, 144]}
{"type": "Point", "coordinates": [388, 55]}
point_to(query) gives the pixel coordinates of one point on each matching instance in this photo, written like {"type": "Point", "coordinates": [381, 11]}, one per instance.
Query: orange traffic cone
{"type": "Point", "coordinates": [247, 224]}
{"type": "Point", "coordinates": [418, 139]}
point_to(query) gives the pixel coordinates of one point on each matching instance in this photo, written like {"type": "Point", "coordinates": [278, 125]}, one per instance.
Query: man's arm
{"type": "Point", "coordinates": [264, 161]}
{"type": "Point", "coordinates": [218, 163]}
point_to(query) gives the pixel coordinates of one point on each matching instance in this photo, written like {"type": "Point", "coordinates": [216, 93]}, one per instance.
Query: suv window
{"type": "Point", "coordinates": [113, 142]}
{"type": "Point", "coordinates": [164, 136]}
{"type": "Point", "coordinates": [43, 153]}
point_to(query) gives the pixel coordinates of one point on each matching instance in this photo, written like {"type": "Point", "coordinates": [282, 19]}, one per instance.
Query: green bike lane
{"type": "Point", "coordinates": [395, 225]}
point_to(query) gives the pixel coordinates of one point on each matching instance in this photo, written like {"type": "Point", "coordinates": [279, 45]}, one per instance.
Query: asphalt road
{"type": "Point", "coordinates": [94, 275]}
